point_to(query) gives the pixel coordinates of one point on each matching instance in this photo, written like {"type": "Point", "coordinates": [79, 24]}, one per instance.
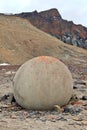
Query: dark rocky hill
{"type": "Point", "coordinates": [51, 21]}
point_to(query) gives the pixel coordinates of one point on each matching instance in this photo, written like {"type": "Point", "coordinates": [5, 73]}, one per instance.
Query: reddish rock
{"type": "Point", "coordinates": [51, 22]}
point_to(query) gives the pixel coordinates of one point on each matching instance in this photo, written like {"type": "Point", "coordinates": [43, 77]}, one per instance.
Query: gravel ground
{"type": "Point", "coordinates": [73, 116]}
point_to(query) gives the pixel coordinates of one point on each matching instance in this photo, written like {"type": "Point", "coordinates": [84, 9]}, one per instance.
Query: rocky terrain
{"type": "Point", "coordinates": [51, 21]}
{"type": "Point", "coordinates": [19, 42]}
{"type": "Point", "coordinates": [72, 116]}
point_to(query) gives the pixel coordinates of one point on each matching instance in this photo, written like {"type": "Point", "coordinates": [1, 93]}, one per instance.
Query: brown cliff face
{"type": "Point", "coordinates": [50, 21]}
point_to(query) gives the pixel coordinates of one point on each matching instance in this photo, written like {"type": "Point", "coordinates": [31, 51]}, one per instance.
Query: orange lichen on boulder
{"type": "Point", "coordinates": [47, 60]}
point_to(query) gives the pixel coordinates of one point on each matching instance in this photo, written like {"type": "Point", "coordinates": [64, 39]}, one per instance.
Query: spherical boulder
{"type": "Point", "coordinates": [41, 83]}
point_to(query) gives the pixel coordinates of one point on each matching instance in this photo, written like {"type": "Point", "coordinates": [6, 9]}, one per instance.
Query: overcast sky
{"type": "Point", "coordinates": [73, 10]}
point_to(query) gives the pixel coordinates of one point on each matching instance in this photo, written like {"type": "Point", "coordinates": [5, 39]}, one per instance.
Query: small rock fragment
{"type": "Point", "coordinates": [77, 119]}
{"type": "Point", "coordinates": [72, 109]}
{"type": "Point", "coordinates": [11, 98]}
{"type": "Point", "coordinates": [3, 98]}
{"type": "Point", "coordinates": [58, 108]}
{"type": "Point", "coordinates": [13, 116]}
{"type": "Point", "coordinates": [43, 119]}
{"type": "Point", "coordinates": [81, 82]}
{"type": "Point", "coordinates": [73, 99]}
{"type": "Point", "coordinates": [84, 122]}
{"type": "Point", "coordinates": [84, 97]}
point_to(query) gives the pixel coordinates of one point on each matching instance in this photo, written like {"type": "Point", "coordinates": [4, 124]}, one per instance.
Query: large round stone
{"type": "Point", "coordinates": [43, 82]}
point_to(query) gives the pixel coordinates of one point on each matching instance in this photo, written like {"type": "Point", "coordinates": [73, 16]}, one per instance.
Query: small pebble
{"type": "Point", "coordinates": [84, 122]}
{"type": "Point", "coordinates": [43, 119]}
{"type": "Point", "coordinates": [11, 98]}
{"type": "Point", "coordinates": [72, 109]}
{"type": "Point", "coordinates": [80, 82]}
{"type": "Point", "coordinates": [58, 108]}
{"type": "Point", "coordinates": [84, 97]}
{"type": "Point", "coordinates": [3, 98]}
{"type": "Point", "coordinates": [77, 119]}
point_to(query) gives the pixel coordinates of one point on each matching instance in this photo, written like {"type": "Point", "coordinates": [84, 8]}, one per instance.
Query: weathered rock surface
{"type": "Point", "coordinates": [51, 22]}
{"type": "Point", "coordinates": [43, 82]}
